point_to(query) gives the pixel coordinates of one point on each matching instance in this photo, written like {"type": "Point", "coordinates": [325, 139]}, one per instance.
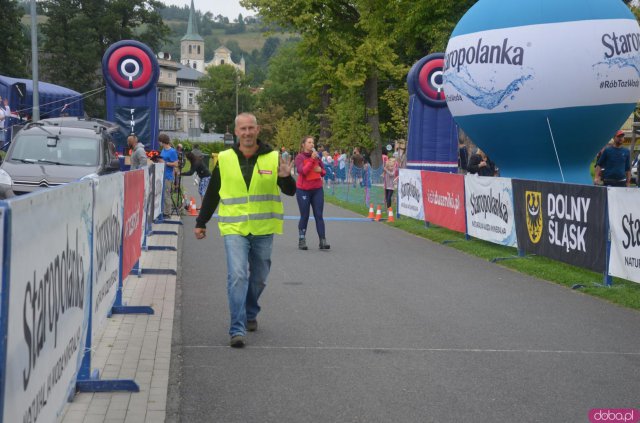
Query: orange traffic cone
{"type": "Point", "coordinates": [378, 214]}
{"type": "Point", "coordinates": [192, 207]}
{"type": "Point", "coordinates": [371, 216]}
{"type": "Point", "coordinates": [390, 215]}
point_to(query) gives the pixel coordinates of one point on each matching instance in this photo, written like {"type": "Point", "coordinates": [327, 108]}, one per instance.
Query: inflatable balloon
{"type": "Point", "coordinates": [433, 135]}
{"type": "Point", "coordinates": [131, 73]}
{"type": "Point", "coordinates": [542, 85]}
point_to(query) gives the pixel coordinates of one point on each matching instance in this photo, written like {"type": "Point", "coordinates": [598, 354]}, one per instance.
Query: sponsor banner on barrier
{"type": "Point", "coordinates": [443, 198]}
{"type": "Point", "coordinates": [561, 221]}
{"type": "Point", "coordinates": [108, 212]}
{"type": "Point", "coordinates": [624, 222]}
{"type": "Point", "coordinates": [410, 194]}
{"type": "Point", "coordinates": [489, 207]}
{"type": "Point", "coordinates": [49, 300]}
{"type": "Point", "coordinates": [149, 197]}
{"type": "Point", "coordinates": [157, 193]}
{"type": "Point", "coordinates": [133, 219]}
{"type": "Point", "coordinates": [2, 217]}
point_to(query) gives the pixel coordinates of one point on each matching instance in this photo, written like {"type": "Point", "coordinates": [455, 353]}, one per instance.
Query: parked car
{"type": "Point", "coordinates": [57, 151]}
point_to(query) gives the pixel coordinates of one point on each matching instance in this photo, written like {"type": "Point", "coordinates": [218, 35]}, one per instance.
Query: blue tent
{"type": "Point", "coordinates": [54, 100]}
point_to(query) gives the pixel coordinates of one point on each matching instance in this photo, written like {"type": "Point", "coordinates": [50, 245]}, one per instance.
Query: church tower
{"type": "Point", "coordinates": [192, 45]}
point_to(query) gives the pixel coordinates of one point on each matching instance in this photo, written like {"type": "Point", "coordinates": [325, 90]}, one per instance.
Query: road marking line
{"type": "Point", "coordinates": [461, 350]}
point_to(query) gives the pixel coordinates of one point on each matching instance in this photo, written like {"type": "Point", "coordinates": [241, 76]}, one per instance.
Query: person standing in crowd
{"type": "Point", "coordinates": [390, 178]}
{"type": "Point", "coordinates": [284, 154]}
{"type": "Point", "coordinates": [309, 191]}
{"type": "Point", "coordinates": [170, 158]}
{"type": "Point", "coordinates": [613, 168]}
{"type": "Point", "coordinates": [480, 164]}
{"type": "Point", "coordinates": [5, 112]}
{"type": "Point", "coordinates": [327, 161]}
{"type": "Point", "coordinates": [357, 165]}
{"type": "Point", "coordinates": [400, 154]}
{"type": "Point", "coordinates": [197, 166]}
{"type": "Point", "coordinates": [138, 155]}
{"type": "Point", "coordinates": [342, 166]}
{"type": "Point", "coordinates": [196, 151]}
{"type": "Point", "coordinates": [463, 156]}
{"type": "Point", "coordinates": [246, 182]}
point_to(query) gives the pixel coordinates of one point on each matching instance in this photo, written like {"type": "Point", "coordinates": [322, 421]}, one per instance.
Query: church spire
{"type": "Point", "coordinates": [192, 27]}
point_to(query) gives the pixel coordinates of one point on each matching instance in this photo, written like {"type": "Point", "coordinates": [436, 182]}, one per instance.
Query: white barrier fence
{"type": "Point", "coordinates": [554, 219]}
{"type": "Point", "coordinates": [61, 267]}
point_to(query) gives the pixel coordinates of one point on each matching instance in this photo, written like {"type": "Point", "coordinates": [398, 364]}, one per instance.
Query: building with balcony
{"type": "Point", "coordinates": [167, 84]}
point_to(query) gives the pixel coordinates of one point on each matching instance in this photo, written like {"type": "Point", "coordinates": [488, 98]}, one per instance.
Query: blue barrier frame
{"type": "Point", "coordinates": [118, 306]}
{"type": "Point", "coordinates": [4, 302]}
{"type": "Point", "coordinates": [146, 271]}
{"type": "Point", "coordinates": [87, 380]}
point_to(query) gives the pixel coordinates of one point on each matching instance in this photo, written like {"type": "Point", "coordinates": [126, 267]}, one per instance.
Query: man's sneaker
{"type": "Point", "coordinates": [252, 325]}
{"type": "Point", "coordinates": [237, 341]}
{"type": "Point", "coordinates": [302, 244]}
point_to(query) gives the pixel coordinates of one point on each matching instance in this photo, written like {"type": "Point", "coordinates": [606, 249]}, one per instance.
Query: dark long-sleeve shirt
{"type": "Point", "coordinates": [198, 166]}
{"type": "Point", "coordinates": [212, 196]}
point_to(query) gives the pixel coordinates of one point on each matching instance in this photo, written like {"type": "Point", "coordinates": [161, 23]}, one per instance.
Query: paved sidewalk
{"type": "Point", "coordinates": [135, 347]}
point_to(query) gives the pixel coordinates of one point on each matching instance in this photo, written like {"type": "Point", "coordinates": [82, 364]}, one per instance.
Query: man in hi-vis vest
{"type": "Point", "coordinates": [246, 183]}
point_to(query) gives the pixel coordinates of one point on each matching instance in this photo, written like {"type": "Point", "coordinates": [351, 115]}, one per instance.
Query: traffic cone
{"type": "Point", "coordinates": [192, 207]}
{"type": "Point", "coordinates": [378, 214]}
{"type": "Point", "coordinates": [390, 215]}
{"type": "Point", "coordinates": [371, 216]}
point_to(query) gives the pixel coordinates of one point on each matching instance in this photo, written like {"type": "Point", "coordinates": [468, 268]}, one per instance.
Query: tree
{"type": "Point", "coordinates": [268, 117]}
{"type": "Point", "coordinates": [290, 130]}
{"type": "Point", "coordinates": [71, 50]}
{"type": "Point", "coordinates": [352, 42]}
{"type": "Point", "coordinates": [427, 25]}
{"type": "Point", "coordinates": [269, 48]}
{"type": "Point", "coordinates": [78, 32]}
{"type": "Point", "coordinates": [288, 80]}
{"type": "Point", "coordinates": [13, 43]}
{"type": "Point", "coordinates": [348, 124]}
{"type": "Point", "coordinates": [217, 97]}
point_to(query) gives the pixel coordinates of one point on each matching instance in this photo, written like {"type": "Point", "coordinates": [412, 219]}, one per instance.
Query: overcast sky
{"type": "Point", "coordinates": [228, 8]}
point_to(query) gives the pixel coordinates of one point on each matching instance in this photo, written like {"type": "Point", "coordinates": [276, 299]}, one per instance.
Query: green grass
{"type": "Point", "coordinates": [622, 292]}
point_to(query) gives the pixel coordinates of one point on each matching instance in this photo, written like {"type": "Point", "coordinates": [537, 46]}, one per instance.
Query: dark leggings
{"type": "Point", "coordinates": [388, 195]}
{"type": "Point", "coordinates": [310, 199]}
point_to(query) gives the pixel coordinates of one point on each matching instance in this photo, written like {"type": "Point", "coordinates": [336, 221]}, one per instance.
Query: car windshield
{"type": "Point", "coordinates": [66, 150]}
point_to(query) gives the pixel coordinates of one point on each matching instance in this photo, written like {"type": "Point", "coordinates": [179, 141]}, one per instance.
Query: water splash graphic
{"type": "Point", "coordinates": [487, 98]}
{"type": "Point", "coordinates": [622, 62]}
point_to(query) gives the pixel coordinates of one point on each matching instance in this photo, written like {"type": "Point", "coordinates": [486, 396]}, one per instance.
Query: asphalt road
{"type": "Point", "coordinates": [389, 327]}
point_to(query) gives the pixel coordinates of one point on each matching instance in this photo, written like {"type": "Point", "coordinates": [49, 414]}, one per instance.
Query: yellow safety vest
{"type": "Point", "coordinates": [258, 210]}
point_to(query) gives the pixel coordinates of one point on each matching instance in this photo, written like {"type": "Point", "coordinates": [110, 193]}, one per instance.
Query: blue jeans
{"type": "Point", "coordinates": [248, 265]}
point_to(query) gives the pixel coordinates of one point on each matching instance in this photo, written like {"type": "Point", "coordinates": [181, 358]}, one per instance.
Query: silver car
{"type": "Point", "coordinates": [58, 151]}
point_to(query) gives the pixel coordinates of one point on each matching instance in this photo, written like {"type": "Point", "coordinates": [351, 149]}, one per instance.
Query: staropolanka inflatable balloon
{"type": "Point", "coordinates": [542, 85]}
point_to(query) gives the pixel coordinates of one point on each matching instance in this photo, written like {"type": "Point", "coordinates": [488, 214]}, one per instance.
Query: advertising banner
{"type": "Point", "coordinates": [149, 198]}
{"type": "Point", "coordinates": [49, 300]}
{"type": "Point", "coordinates": [2, 229]}
{"type": "Point", "coordinates": [624, 222]}
{"type": "Point", "coordinates": [443, 198]}
{"type": "Point", "coordinates": [561, 221]}
{"type": "Point", "coordinates": [107, 240]}
{"type": "Point", "coordinates": [157, 189]}
{"type": "Point", "coordinates": [133, 219]}
{"type": "Point", "coordinates": [410, 194]}
{"type": "Point", "coordinates": [490, 212]}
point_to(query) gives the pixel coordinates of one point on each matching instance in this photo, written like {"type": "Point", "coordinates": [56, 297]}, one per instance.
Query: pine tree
{"type": "Point", "coordinates": [13, 43]}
